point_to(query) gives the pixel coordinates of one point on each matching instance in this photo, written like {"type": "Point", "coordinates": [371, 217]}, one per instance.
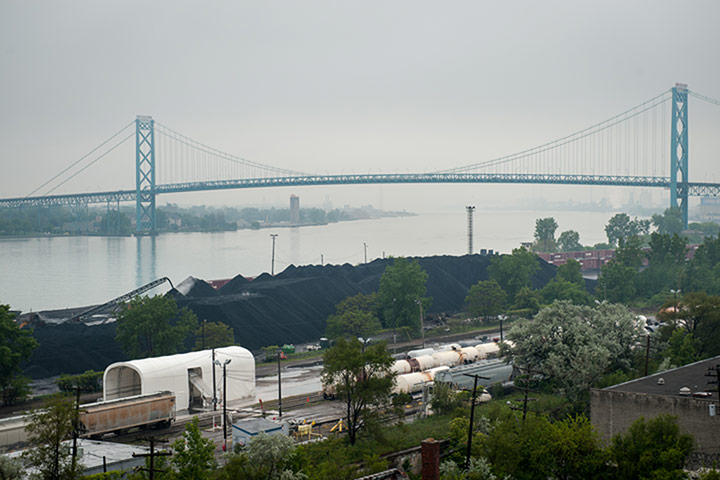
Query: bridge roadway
{"type": "Point", "coordinates": [694, 188]}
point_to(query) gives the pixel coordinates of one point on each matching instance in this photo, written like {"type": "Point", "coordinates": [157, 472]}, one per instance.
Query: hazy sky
{"type": "Point", "coordinates": [338, 86]}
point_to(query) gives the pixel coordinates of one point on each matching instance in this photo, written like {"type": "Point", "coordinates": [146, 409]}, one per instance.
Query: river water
{"type": "Point", "coordinates": [61, 272]}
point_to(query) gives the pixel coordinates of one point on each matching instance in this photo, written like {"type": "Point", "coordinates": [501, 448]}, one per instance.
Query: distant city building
{"type": "Point", "coordinates": [294, 210]}
{"type": "Point", "coordinates": [709, 209]}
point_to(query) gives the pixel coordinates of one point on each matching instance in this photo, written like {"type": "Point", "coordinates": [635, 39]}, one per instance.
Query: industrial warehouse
{"type": "Point", "coordinates": [190, 376]}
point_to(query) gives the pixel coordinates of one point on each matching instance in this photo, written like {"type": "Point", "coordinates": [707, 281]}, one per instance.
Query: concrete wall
{"type": "Point", "coordinates": [612, 412]}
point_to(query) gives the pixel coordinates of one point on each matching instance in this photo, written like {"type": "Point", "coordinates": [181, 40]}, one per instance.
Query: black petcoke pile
{"type": "Point", "coordinates": [290, 307]}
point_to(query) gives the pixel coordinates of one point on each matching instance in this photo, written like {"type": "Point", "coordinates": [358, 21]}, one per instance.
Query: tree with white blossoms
{"type": "Point", "coordinates": [574, 345]}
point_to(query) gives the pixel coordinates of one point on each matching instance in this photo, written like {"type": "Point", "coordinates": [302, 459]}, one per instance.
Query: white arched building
{"type": "Point", "coordinates": [188, 375]}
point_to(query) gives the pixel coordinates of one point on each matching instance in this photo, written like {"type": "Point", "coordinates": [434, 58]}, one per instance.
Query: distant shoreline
{"type": "Point", "coordinates": [163, 232]}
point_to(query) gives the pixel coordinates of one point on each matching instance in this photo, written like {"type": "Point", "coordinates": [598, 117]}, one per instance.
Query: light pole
{"type": "Point", "coordinates": [279, 385]}
{"type": "Point", "coordinates": [214, 381]}
{"type": "Point", "coordinates": [675, 306]}
{"type": "Point", "coordinates": [422, 327]}
{"type": "Point", "coordinates": [365, 248]}
{"type": "Point", "coordinates": [272, 263]}
{"type": "Point", "coordinates": [501, 318]}
{"type": "Point", "coordinates": [203, 333]}
{"type": "Point", "coordinates": [224, 365]}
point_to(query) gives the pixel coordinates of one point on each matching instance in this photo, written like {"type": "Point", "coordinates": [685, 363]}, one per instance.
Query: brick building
{"type": "Point", "coordinates": [683, 392]}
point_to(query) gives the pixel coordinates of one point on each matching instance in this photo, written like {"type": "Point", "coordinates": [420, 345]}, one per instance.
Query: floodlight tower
{"type": "Point", "coordinates": [470, 209]}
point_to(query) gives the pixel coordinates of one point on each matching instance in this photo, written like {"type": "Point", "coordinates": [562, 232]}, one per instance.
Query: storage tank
{"type": "Point", "coordinates": [448, 358]}
{"type": "Point", "coordinates": [470, 354]}
{"type": "Point", "coordinates": [487, 350]}
{"type": "Point", "coordinates": [422, 363]}
{"type": "Point", "coordinates": [400, 367]}
{"type": "Point", "coordinates": [420, 352]}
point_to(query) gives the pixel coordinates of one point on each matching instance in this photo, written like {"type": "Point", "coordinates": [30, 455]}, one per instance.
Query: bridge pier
{"type": "Point", "coordinates": [145, 176]}
{"type": "Point", "coordinates": [679, 151]}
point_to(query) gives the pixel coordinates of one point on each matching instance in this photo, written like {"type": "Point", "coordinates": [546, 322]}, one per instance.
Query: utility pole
{"type": "Point", "coordinates": [224, 366]}
{"type": "Point", "coordinates": [470, 209]}
{"type": "Point", "coordinates": [525, 389]}
{"type": "Point", "coordinates": [203, 332]}
{"type": "Point", "coordinates": [279, 386]}
{"type": "Point", "coordinates": [76, 421]}
{"type": "Point", "coordinates": [647, 355]}
{"type": "Point", "coordinates": [272, 263]}
{"type": "Point", "coordinates": [501, 318]}
{"type": "Point", "coordinates": [322, 260]}
{"type": "Point", "coordinates": [365, 248]}
{"type": "Point", "coordinates": [472, 416]}
{"type": "Point", "coordinates": [422, 326]}
{"type": "Point", "coordinates": [214, 382]}
{"type": "Point", "coordinates": [152, 456]}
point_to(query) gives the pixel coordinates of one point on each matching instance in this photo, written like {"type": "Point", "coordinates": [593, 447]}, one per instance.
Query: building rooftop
{"type": "Point", "coordinates": [692, 377]}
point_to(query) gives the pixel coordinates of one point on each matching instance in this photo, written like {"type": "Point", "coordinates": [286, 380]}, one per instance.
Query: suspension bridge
{"type": "Point", "coordinates": [632, 149]}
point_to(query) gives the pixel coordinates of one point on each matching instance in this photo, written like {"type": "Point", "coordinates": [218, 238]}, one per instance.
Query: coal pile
{"type": "Point", "coordinates": [291, 307]}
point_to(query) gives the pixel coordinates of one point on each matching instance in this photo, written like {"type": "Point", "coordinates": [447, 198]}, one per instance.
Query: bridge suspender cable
{"type": "Point", "coordinates": [80, 160]}
{"type": "Point", "coordinates": [89, 164]}
{"type": "Point", "coordinates": [633, 112]}
{"type": "Point", "coordinates": [703, 97]}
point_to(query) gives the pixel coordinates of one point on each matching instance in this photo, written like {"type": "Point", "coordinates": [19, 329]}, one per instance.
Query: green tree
{"type": "Point", "coordinates": [16, 346]}
{"type": "Point", "coordinates": [652, 448]}
{"type": "Point", "coordinates": [486, 299]}
{"type": "Point", "coordinates": [352, 323]}
{"type": "Point", "coordinates": [620, 227]}
{"type": "Point", "coordinates": [575, 450]}
{"type": "Point", "coordinates": [47, 430]}
{"type": "Point", "coordinates": [193, 456]}
{"type": "Point", "coordinates": [145, 326]}
{"type": "Point", "coordinates": [569, 241]}
{"type": "Point", "coordinates": [670, 221]}
{"type": "Point", "coordinates": [666, 259]}
{"type": "Point", "coordinates": [114, 222]}
{"type": "Point", "coordinates": [217, 334]}
{"type": "Point", "coordinates": [362, 377]}
{"type": "Point", "coordinates": [402, 287]}
{"type": "Point", "coordinates": [517, 449]}
{"type": "Point", "coordinates": [364, 303]}
{"type": "Point", "coordinates": [560, 289]}
{"type": "Point", "coordinates": [545, 234]}
{"type": "Point", "coordinates": [702, 273]}
{"type": "Point", "coordinates": [528, 300]}
{"type": "Point", "coordinates": [571, 271]}
{"type": "Point", "coordinates": [11, 469]}
{"type": "Point", "coordinates": [574, 345]}
{"type": "Point", "coordinates": [512, 272]}
{"type": "Point", "coordinates": [267, 457]}
{"type": "Point", "coordinates": [479, 469]}
{"type": "Point", "coordinates": [700, 316]}
{"type": "Point", "coordinates": [355, 316]}
{"type": "Point", "coordinates": [616, 282]}
{"type": "Point", "coordinates": [680, 349]}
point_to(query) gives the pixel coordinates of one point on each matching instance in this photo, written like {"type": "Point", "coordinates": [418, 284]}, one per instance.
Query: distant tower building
{"type": "Point", "coordinates": [294, 210]}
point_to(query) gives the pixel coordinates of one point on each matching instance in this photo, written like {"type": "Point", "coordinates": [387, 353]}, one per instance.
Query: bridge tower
{"type": "Point", "coordinates": [145, 176]}
{"type": "Point", "coordinates": [679, 151]}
